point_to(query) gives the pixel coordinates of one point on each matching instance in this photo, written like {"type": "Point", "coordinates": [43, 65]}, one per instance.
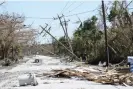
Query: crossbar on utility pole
{"type": "Point", "coordinates": [105, 29]}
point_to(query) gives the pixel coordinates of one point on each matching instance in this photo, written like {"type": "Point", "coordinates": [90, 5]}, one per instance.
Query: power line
{"type": "Point", "coordinates": [71, 5]}
{"type": "Point", "coordinates": [76, 7]}
{"type": "Point", "coordinates": [129, 3]}
{"type": "Point", "coordinates": [81, 13]}
{"type": "Point", "coordinates": [64, 15]}
{"type": "Point", "coordinates": [37, 18]}
{"type": "Point", "coordinates": [65, 7]}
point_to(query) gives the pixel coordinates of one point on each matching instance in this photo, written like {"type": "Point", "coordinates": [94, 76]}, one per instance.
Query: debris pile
{"type": "Point", "coordinates": [115, 78]}
{"type": "Point", "coordinates": [110, 77]}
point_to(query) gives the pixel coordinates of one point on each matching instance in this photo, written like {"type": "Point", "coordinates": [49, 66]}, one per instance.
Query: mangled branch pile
{"type": "Point", "coordinates": [110, 77]}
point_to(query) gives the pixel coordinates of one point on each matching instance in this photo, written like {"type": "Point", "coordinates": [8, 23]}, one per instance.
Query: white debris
{"type": "Point", "coordinates": [104, 64]}
{"type": "Point", "coordinates": [100, 64]}
{"type": "Point", "coordinates": [27, 79]}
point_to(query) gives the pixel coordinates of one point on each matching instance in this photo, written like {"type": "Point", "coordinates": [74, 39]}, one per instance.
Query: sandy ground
{"type": "Point", "coordinates": [9, 75]}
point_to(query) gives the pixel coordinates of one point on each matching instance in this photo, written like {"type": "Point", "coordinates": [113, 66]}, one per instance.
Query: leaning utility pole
{"type": "Point", "coordinates": [62, 25]}
{"type": "Point", "coordinates": [65, 31]}
{"type": "Point", "coordinates": [105, 29]}
{"type": "Point", "coordinates": [67, 37]}
{"type": "Point", "coordinates": [59, 42]}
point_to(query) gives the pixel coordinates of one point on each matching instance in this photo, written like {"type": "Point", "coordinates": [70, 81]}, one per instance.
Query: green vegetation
{"type": "Point", "coordinates": [89, 38]}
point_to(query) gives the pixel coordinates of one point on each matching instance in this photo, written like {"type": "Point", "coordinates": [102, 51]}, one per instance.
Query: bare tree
{"type": "Point", "coordinates": [13, 33]}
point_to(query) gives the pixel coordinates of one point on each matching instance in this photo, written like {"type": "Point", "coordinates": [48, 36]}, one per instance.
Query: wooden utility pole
{"type": "Point", "coordinates": [62, 25]}
{"type": "Point", "coordinates": [53, 44]}
{"type": "Point", "coordinates": [65, 31]}
{"type": "Point", "coordinates": [105, 29]}
{"type": "Point", "coordinates": [67, 37]}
